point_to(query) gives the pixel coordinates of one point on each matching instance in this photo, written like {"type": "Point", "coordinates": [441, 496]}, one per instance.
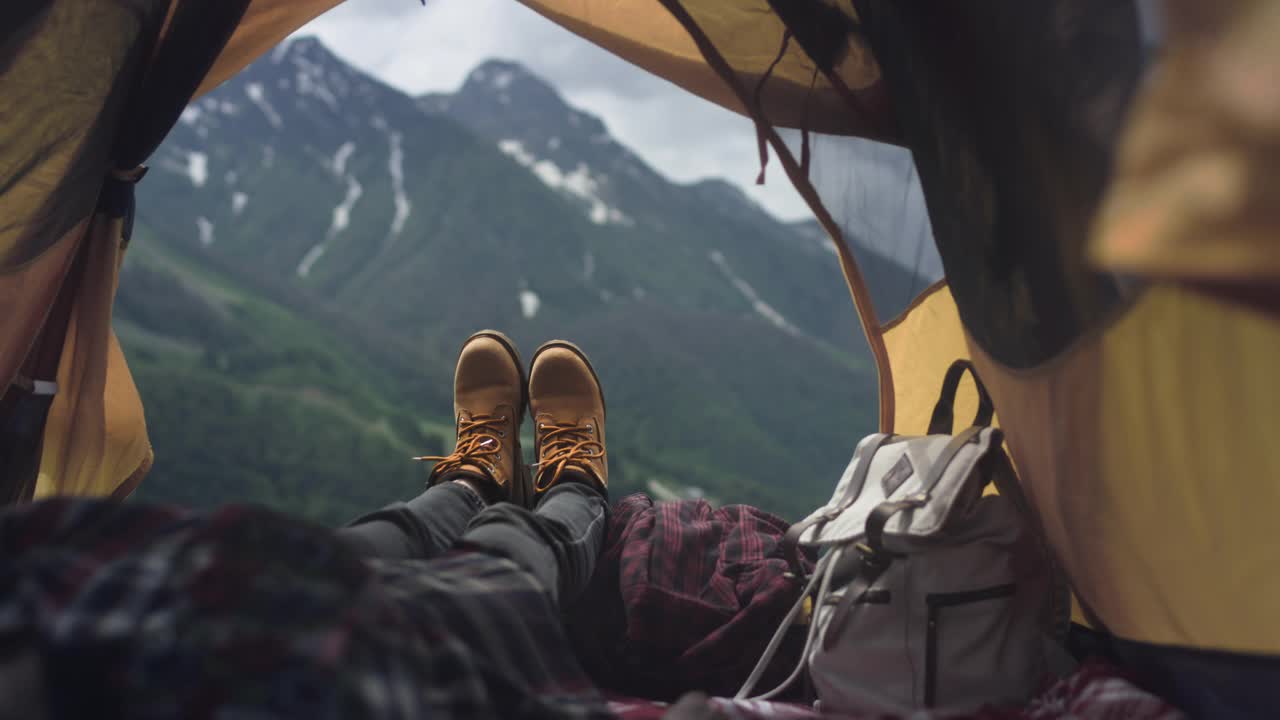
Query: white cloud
{"type": "Point", "coordinates": [432, 49]}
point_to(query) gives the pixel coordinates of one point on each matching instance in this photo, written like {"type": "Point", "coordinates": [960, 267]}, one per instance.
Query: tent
{"type": "Point", "coordinates": [1107, 235]}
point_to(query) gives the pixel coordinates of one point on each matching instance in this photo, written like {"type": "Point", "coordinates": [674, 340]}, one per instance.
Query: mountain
{"type": "Point", "coordinates": [668, 235]}
{"type": "Point", "coordinates": [894, 275]}
{"type": "Point", "coordinates": [313, 245]}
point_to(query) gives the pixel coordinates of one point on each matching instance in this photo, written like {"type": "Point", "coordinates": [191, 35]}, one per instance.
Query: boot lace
{"type": "Point", "coordinates": [563, 445]}
{"type": "Point", "coordinates": [479, 443]}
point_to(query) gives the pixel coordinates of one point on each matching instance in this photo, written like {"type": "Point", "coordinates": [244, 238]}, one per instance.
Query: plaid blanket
{"type": "Point", "coordinates": [685, 597]}
{"type": "Point", "coordinates": [140, 611]}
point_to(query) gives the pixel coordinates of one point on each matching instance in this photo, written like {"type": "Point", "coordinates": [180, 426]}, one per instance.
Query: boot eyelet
{"type": "Point", "coordinates": [502, 433]}
{"type": "Point", "coordinates": [590, 429]}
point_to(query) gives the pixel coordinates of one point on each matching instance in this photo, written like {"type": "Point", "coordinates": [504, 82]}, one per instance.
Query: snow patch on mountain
{"type": "Point", "coordinates": [602, 214]}
{"type": "Point", "coordinates": [502, 79]}
{"type": "Point", "coordinates": [529, 302]}
{"type": "Point", "coordinates": [341, 157]}
{"type": "Point", "coordinates": [192, 163]}
{"type": "Point", "coordinates": [341, 219]}
{"type": "Point", "coordinates": [198, 168]}
{"type": "Point", "coordinates": [395, 165]}
{"type": "Point", "coordinates": [258, 96]}
{"type": "Point", "coordinates": [762, 308]}
{"type": "Point", "coordinates": [342, 213]}
{"type": "Point", "coordinates": [578, 182]}
{"type": "Point", "coordinates": [205, 226]}
{"type": "Point", "coordinates": [203, 115]}
{"type": "Point", "coordinates": [515, 149]}
{"type": "Point", "coordinates": [309, 260]}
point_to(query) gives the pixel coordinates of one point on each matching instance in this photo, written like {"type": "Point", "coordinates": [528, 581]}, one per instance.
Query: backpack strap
{"type": "Point", "coordinates": [944, 411]}
{"type": "Point", "coordinates": [862, 466]}
{"type": "Point", "coordinates": [823, 573]}
{"type": "Point", "coordinates": [879, 517]}
{"type": "Point", "coordinates": [872, 567]}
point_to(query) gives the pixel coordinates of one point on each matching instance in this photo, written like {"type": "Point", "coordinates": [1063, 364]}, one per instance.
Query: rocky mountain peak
{"type": "Point", "coordinates": [500, 96]}
{"type": "Point", "coordinates": [497, 77]}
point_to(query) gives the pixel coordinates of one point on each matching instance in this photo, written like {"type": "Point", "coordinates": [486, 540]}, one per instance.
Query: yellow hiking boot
{"type": "Point", "coordinates": [567, 404]}
{"type": "Point", "coordinates": [489, 400]}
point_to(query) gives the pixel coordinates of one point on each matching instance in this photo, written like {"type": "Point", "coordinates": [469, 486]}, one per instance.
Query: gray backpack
{"type": "Point", "coordinates": [929, 594]}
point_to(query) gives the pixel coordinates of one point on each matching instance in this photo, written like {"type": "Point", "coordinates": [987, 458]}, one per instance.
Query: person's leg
{"type": "Point", "coordinates": [488, 404]}
{"type": "Point", "coordinates": [425, 526]}
{"type": "Point", "coordinates": [557, 543]}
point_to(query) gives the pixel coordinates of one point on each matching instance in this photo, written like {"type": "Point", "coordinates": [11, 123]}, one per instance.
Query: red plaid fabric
{"type": "Point", "coordinates": [685, 597]}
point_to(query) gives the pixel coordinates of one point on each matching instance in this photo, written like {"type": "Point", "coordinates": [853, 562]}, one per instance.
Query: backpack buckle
{"type": "Point", "coordinates": [872, 559]}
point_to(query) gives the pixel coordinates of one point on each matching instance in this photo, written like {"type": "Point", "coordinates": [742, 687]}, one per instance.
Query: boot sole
{"type": "Point", "coordinates": [525, 493]}
{"type": "Point", "coordinates": [583, 356]}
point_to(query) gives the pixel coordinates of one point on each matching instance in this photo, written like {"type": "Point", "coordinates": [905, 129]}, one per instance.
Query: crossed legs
{"type": "Point", "coordinates": [557, 542]}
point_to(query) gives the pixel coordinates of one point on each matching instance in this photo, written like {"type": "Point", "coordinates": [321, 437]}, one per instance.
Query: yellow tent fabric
{"type": "Point", "coordinates": [1153, 435]}
{"type": "Point", "coordinates": [95, 439]}
{"type": "Point", "coordinates": [922, 343]}
{"type": "Point", "coordinates": [750, 36]}
{"type": "Point", "coordinates": [57, 144]}
{"type": "Point", "coordinates": [26, 295]}
{"type": "Point", "coordinates": [1149, 451]}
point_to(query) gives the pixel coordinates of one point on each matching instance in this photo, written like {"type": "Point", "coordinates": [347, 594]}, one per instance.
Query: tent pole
{"type": "Point", "coordinates": [848, 265]}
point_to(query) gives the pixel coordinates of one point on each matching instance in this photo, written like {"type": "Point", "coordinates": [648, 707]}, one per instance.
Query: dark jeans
{"type": "Point", "coordinates": [557, 542]}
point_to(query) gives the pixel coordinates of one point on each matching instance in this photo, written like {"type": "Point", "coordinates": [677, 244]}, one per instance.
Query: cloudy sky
{"type": "Point", "coordinates": [420, 48]}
